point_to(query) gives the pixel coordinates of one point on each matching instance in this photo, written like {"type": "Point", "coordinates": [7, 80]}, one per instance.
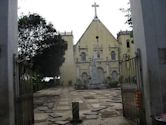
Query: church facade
{"type": "Point", "coordinates": [96, 47]}
{"type": "Point", "coordinates": [98, 42]}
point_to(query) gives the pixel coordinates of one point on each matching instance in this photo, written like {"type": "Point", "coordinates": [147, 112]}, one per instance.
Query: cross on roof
{"type": "Point", "coordinates": [95, 6]}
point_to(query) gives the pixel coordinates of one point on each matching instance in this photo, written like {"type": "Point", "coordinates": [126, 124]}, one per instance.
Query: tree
{"type": "Point", "coordinates": [40, 45]}
{"type": "Point", "coordinates": [128, 15]}
{"type": "Point", "coordinates": [129, 18]}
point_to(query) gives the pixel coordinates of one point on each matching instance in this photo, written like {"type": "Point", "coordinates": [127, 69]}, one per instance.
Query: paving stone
{"type": "Point", "coordinates": [106, 104]}
{"type": "Point", "coordinates": [52, 120]}
{"type": "Point", "coordinates": [91, 113]}
{"type": "Point", "coordinates": [95, 105]}
{"type": "Point", "coordinates": [43, 108]}
{"type": "Point", "coordinates": [63, 103]}
{"type": "Point", "coordinates": [42, 123]}
{"type": "Point", "coordinates": [92, 101]}
{"type": "Point", "coordinates": [40, 117]}
{"type": "Point", "coordinates": [98, 109]}
{"type": "Point", "coordinates": [63, 108]}
{"type": "Point", "coordinates": [91, 117]}
{"type": "Point", "coordinates": [64, 100]}
{"type": "Point", "coordinates": [58, 119]}
{"type": "Point", "coordinates": [108, 114]}
{"type": "Point", "coordinates": [89, 97]}
{"type": "Point", "coordinates": [62, 122]}
{"type": "Point", "coordinates": [55, 115]}
{"type": "Point", "coordinates": [49, 111]}
{"type": "Point", "coordinates": [50, 105]}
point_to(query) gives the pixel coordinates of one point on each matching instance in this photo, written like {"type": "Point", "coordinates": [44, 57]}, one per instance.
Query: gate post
{"type": "Point", "coordinates": [75, 113]}
{"type": "Point", "coordinates": [8, 47]}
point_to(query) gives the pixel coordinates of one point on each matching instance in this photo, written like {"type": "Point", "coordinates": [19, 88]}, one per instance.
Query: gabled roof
{"type": "Point", "coordinates": [96, 22]}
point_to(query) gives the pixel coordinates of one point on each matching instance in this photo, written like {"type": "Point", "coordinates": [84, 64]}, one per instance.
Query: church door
{"type": "Point", "coordinates": [100, 74]}
{"type": "Point", "coordinates": [84, 77]}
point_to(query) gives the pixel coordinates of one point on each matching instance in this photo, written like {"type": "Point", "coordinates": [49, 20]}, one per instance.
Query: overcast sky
{"type": "Point", "coordinates": [76, 15]}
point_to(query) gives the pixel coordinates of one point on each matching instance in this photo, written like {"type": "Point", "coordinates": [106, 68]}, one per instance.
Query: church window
{"type": "Point", "coordinates": [114, 75]}
{"type": "Point", "coordinates": [83, 56]}
{"type": "Point", "coordinates": [113, 55]}
{"type": "Point", "coordinates": [98, 55]}
{"type": "Point", "coordinates": [128, 43]}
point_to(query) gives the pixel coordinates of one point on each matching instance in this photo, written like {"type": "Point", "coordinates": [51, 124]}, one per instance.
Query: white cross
{"type": "Point", "coordinates": [95, 6]}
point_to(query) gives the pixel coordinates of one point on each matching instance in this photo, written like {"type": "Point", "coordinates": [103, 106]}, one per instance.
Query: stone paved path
{"type": "Point", "coordinates": [97, 107]}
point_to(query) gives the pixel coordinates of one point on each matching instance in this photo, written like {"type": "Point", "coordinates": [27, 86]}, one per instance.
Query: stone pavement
{"type": "Point", "coordinates": [97, 107]}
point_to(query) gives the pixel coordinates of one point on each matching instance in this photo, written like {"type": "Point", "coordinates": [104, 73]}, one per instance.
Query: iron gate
{"type": "Point", "coordinates": [24, 114]}
{"type": "Point", "coordinates": [131, 86]}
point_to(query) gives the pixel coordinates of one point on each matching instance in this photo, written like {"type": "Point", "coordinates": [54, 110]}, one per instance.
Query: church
{"type": "Point", "coordinates": [96, 55]}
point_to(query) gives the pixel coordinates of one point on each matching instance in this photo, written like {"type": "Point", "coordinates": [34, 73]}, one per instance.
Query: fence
{"type": "Point", "coordinates": [132, 94]}
{"type": "Point", "coordinates": [23, 94]}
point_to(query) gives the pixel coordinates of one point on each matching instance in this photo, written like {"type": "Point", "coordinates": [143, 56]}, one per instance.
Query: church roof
{"type": "Point", "coordinates": [97, 26]}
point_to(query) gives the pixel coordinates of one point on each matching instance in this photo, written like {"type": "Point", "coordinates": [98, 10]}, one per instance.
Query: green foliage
{"type": "Point", "coordinates": [70, 83]}
{"type": "Point", "coordinates": [114, 84]}
{"type": "Point", "coordinates": [36, 80]}
{"type": "Point", "coordinates": [121, 79]}
{"type": "Point", "coordinates": [40, 45]}
{"type": "Point", "coordinates": [128, 15]}
{"type": "Point", "coordinates": [80, 85]}
{"type": "Point", "coordinates": [111, 83]}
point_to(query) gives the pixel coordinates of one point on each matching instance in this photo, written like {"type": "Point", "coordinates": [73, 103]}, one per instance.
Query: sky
{"type": "Point", "coordinates": [76, 15]}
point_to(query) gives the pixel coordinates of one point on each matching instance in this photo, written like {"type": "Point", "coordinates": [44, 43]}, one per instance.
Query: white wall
{"type": "Point", "coordinates": [8, 38]}
{"type": "Point", "coordinates": [149, 21]}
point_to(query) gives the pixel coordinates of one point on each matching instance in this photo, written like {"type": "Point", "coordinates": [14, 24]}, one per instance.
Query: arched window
{"type": "Point", "coordinates": [83, 56]}
{"type": "Point", "coordinates": [113, 55]}
{"type": "Point", "coordinates": [100, 74]}
{"type": "Point", "coordinates": [128, 43]}
{"type": "Point", "coordinates": [114, 75]}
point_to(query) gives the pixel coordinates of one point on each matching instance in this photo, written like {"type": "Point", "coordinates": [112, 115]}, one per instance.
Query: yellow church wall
{"type": "Point", "coordinates": [123, 37]}
{"type": "Point", "coordinates": [68, 71]}
{"type": "Point", "coordinates": [127, 52]}
{"type": "Point", "coordinates": [106, 44]}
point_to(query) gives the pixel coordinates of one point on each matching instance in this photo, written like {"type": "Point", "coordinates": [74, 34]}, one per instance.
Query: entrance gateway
{"type": "Point", "coordinates": [132, 90]}
{"type": "Point", "coordinates": [149, 31]}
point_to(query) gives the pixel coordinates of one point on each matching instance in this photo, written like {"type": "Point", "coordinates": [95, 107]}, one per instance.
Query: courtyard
{"type": "Point", "coordinates": [97, 107]}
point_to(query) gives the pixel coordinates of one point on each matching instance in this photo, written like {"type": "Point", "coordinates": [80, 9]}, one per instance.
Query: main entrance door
{"type": "Point", "coordinates": [100, 73]}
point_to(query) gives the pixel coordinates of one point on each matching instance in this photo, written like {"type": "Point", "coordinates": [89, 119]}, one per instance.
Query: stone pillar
{"type": "Point", "coordinates": [107, 72]}
{"type": "Point", "coordinates": [150, 37]}
{"type": "Point", "coordinates": [8, 39]}
{"type": "Point", "coordinates": [78, 71]}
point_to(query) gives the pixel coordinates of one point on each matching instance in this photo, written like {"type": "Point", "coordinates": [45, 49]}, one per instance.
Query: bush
{"type": "Point", "coordinates": [70, 82]}
{"type": "Point", "coordinates": [80, 85]}
{"type": "Point", "coordinates": [111, 83]}
{"type": "Point", "coordinates": [114, 84]}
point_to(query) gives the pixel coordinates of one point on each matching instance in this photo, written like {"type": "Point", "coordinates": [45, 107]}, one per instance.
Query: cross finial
{"type": "Point", "coordinates": [95, 6]}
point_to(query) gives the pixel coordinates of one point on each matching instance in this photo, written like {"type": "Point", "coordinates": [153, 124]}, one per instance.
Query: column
{"type": "Point", "coordinates": [8, 43]}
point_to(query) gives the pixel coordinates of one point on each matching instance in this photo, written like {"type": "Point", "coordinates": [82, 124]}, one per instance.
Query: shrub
{"type": "Point", "coordinates": [70, 82]}
{"type": "Point", "coordinates": [80, 84]}
{"type": "Point", "coordinates": [111, 83]}
{"type": "Point", "coordinates": [114, 84]}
